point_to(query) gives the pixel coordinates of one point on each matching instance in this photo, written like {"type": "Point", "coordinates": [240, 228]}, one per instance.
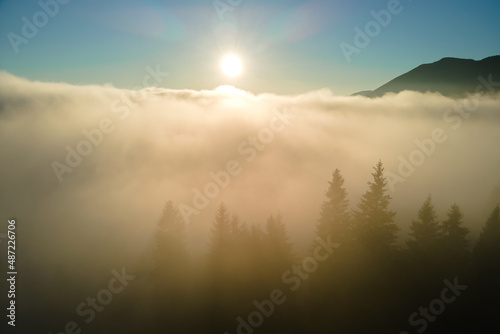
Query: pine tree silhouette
{"type": "Point", "coordinates": [220, 274]}
{"type": "Point", "coordinates": [170, 255]}
{"type": "Point", "coordinates": [335, 220]}
{"type": "Point", "coordinates": [487, 248]}
{"type": "Point", "coordinates": [425, 232]}
{"type": "Point", "coordinates": [374, 223]}
{"type": "Point", "coordinates": [454, 234]}
{"type": "Point", "coordinates": [221, 232]}
{"type": "Point", "coordinates": [424, 258]}
{"type": "Point", "coordinates": [278, 244]}
{"type": "Point", "coordinates": [487, 269]}
{"type": "Point", "coordinates": [170, 277]}
{"type": "Point", "coordinates": [454, 246]}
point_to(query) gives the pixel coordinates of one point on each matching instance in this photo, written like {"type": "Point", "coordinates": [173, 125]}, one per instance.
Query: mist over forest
{"type": "Point", "coordinates": [164, 171]}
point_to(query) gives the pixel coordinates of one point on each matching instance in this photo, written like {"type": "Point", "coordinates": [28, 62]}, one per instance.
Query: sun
{"type": "Point", "coordinates": [231, 65]}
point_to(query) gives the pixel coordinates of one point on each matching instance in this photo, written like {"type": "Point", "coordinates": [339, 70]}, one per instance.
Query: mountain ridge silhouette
{"type": "Point", "coordinates": [453, 77]}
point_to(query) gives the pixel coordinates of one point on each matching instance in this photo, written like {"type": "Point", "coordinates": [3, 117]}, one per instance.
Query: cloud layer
{"type": "Point", "coordinates": [140, 148]}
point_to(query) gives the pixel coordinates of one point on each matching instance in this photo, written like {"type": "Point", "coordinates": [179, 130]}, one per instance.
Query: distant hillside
{"type": "Point", "coordinates": [453, 77]}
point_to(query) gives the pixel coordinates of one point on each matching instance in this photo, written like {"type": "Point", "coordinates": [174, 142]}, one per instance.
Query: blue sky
{"type": "Point", "coordinates": [287, 46]}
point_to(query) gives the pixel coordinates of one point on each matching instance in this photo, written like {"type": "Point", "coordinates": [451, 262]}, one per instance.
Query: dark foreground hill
{"type": "Point", "coordinates": [452, 77]}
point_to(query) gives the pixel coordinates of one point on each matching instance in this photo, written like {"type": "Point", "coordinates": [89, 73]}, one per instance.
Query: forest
{"type": "Point", "coordinates": [356, 278]}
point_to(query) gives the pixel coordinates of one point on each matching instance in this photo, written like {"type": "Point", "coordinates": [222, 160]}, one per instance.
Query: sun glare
{"type": "Point", "coordinates": [231, 65]}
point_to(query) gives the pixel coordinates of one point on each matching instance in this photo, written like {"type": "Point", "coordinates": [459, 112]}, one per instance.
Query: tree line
{"type": "Point", "coordinates": [370, 283]}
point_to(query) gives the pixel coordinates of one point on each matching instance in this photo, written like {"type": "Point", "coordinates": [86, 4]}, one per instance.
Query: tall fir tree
{"type": "Point", "coordinates": [487, 248]}
{"type": "Point", "coordinates": [454, 239]}
{"type": "Point", "coordinates": [374, 226]}
{"type": "Point", "coordinates": [454, 233]}
{"type": "Point", "coordinates": [425, 232]}
{"type": "Point", "coordinates": [487, 265]}
{"type": "Point", "coordinates": [240, 251]}
{"type": "Point", "coordinates": [220, 273]}
{"type": "Point", "coordinates": [277, 241]}
{"type": "Point", "coordinates": [170, 255]}
{"type": "Point", "coordinates": [221, 234]}
{"type": "Point", "coordinates": [234, 266]}
{"type": "Point", "coordinates": [335, 220]}
{"type": "Point", "coordinates": [170, 277]}
{"type": "Point", "coordinates": [425, 264]}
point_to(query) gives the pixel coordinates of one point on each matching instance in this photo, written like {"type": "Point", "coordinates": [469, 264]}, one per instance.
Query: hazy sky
{"type": "Point", "coordinates": [111, 108]}
{"type": "Point", "coordinates": [287, 46]}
